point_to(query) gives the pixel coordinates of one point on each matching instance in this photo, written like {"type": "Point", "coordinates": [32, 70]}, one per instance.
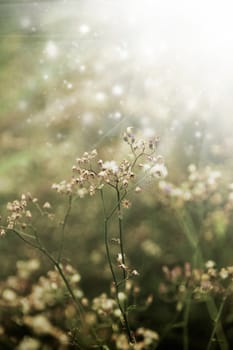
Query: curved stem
{"type": "Point", "coordinates": [218, 328]}
{"type": "Point", "coordinates": [56, 264]}
{"type": "Point", "coordinates": [64, 227]}
{"type": "Point", "coordinates": [186, 320]}
{"type": "Point", "coordinates": [121, 232]}
{"type": "Point", "coordinates": [116, 285]}
{"type": "Point", "coordinates": [191, 236]}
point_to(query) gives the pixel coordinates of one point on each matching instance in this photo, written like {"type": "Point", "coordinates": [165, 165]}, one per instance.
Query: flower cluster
{"type": "Point", "coordinates": [200, 186]}
{"type": "Point", "coordinates": [200, 282]}
{"type": "Point", "coordinates": [145, 339]}
{"type": "Point", "coordinates": [46, 311]}
{"type": "Point", "coordinates": [203, 186]}
{"type": "Point", "coordinates": [19, 213]}
{"type": "Point", "coordinates": [104, 306]}
{"type": "Point", "coordinates": [139, 144]}
{"type": "Point", "coordinates": [39, 304]}
{"type": "Point", "coordinates": [91, 173]}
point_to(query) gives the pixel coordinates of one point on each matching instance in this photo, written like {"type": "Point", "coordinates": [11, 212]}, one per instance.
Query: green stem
{"type": "Point", "coordinates": [217, 329]}
{"type": "Point", "coordinates": [121, 233]}
{"type": "Point", "coordinates": [58, 267]}
{"type": "Point", "coordinates": [116, 285]}
{"type": "Point", "coordinates": [186, 320]}
{"type": "Point", "coordinates": [191, 236]}
{"type": "Point", "coordinates": [64, 227]}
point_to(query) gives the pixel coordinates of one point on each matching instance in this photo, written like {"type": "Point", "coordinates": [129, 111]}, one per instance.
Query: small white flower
{"type": "Point", "coordinates": [146, 167]}
{"type": "Point", "coordinates": [159, 170]}
{"type": "Point", "coordinates": [111, 165]}
{"type": "Point", "coordinates": [129, 131]}
{"type": "Point", "coordinates": [223, 273]}
{"type": "Point", "coordinates": [121, 296]}
{"type": "Point", "coordinates": [210, 264]}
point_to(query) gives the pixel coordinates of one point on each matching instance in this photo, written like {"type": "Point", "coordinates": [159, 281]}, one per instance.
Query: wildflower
{"type": "Point", "coordinates": [126, 203]}
{"type": "Point", "coordinates": [135, 273]}
{"type": "Point", "coordinates": [119, 258]}
{"type": "Point", "coordinates": [149, 299]}
{"type": "Point", "coordinates": [210, 264]}
{"type": "Point", "coordinates": [192, 168]}
{"type": "Point", "coordinates": [91, 190]}
{"type": "Point", "coordinates": [115, 241]}
{"type": "Point", "coordinates": [125, 137]}
{"type": "Point", "coordinates": [223, 273]}
{"type": "Point", "coordinates": [122, 296]}
{"type": "Point", "coordinates": [151, 144]}
{"type": "Point", "coordinates": [125, 183]}
{"type": "Point", "coordinates": [111, 166]}
{"type": "Point", "coordinates": [75, 278]}
{"type": "Point", "coordinates": [81, 192]}
{"type": "Point", "coordinates": [28, 214]}
{"type": "Point", "coordinates": [9, 295]}
{"type": "Point", "coordinates": [145, 166]}
{"type": "Point", "coordinates": [159, 170]}
{"type": "Point", "coordinates": [129, 131]}
{"type": "Point", "coordinates": [138, 189]}
{"type": "Point", "coordinates": [123, 266]}
{"type": "Point", "coordinates": [117, 313]}
{"type": "Point", "coordinates": [148, 337]}
{"type": "Point", "coordinates": [2, 232]}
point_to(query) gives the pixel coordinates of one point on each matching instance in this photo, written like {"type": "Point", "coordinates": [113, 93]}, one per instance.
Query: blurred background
{"type": "Point", "coordinates": [73, 76]}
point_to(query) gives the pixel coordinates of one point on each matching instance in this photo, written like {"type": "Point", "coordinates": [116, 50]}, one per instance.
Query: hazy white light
{"type": "Point", "coordinates": [82, 68]}
{"type": "Point", "coordinates": [51, 49]}
{"type": "Point", "coordinates": [45, 77]}
{"type": "Point", "coordinates": [87, 118]}
{"type": "Point", "coordinates": [22, 105]}
{"type": "Point", "coordinates": [117, 90]}
{"type": "Point", "coordinates": [25, 22]}
{"type": "Point", "coordinates": [100, 96]}
{"type": "Point", "coordinates": [84, 29]}
{"type": "Point", "coordinates": [117, 115]}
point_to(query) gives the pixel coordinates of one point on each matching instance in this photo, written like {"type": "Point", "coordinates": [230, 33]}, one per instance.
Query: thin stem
{"type": "Point", "coordinates": [186, 320]}
{"type": "Point", "coordinates": [77, 304]}
{"type": "Point", "coordinates": [38, 207]}
{"type": "Point", "coordinates": [120, 226]}
{"type": "Point", "coordinates": [108, 252]}
{"type": "Point", "coordinates": [56, 264]}
{"type": "Point", "coordinates": [187, 229]}
{"type": "Point", "coordinates": [116, 206]}
{"type": "Point", "coordinates": [136, 159]}
{"type": "Point", "coordinates": [191, 236]}
{"type": "Point", "coordinates": [218, 328]}
{"type": "Point", "coordinates": [64, 227]}
{"type": "Point", "coordinates": [121, 232]}
{"type": "Point", "coordinates": [123, 313]}
{"type": "Point", "coordinates": [106, 239]}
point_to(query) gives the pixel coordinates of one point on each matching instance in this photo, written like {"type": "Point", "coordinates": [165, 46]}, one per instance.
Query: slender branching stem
{"type": "Point", "coordinates": [120, 226]}
{"type": "Point", "coordinates": [218, 328]}
{"type": "Point", "coordinates": [57, 265]}
{"type": "Point", "coordinates": [186, 321]}
{"type": "Point", "coordinates": [115, 207]}
{"type": "Point", "coordinates": [106, 240]}
{"type": "Point", "coordinates": [64, 223]}
{"type": "Point", "coordinates": [120, 231]}
{"type": "Point", "coordinates": [38, 207]}
{"type": "Point", "coordinates": [116, 284]}
{"type": "Point", "coordinates": [136, 159]}
{"type": "Point", "coordinates": [216, 323]}
{"type": "Point", "coordinates": [191, 236]}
